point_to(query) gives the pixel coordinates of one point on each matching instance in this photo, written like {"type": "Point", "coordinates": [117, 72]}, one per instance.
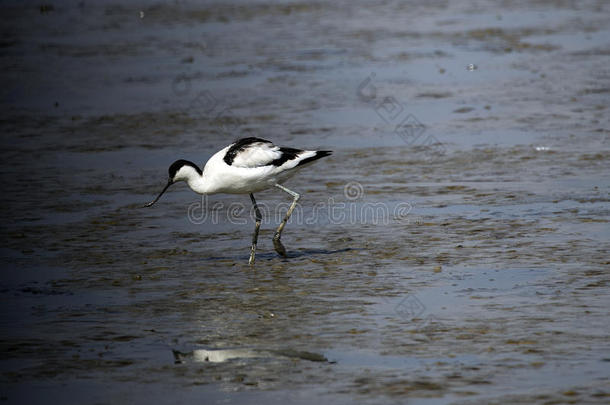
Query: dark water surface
{"type": "Point", "coordinates": [454, 249]}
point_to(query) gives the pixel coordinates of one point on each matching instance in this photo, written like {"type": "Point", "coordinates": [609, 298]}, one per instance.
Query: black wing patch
{"type": "Point", "coordinates": [287, 154]}
{"type": "Point", "coordinates": [240, 145]}
{"type": "Point", "coordinates": [319, 154]}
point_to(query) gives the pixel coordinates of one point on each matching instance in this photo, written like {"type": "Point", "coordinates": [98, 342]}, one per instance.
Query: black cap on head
{"type": "Point", "coordinates": [173, 169]}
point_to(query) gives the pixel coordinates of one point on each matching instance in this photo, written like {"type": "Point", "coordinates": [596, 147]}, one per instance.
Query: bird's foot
{"type": "Point", "coordinates": [279, 248]}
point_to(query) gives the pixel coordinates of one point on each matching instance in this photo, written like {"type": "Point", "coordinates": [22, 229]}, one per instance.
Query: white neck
{"type": "Point", "coordinates": [198, 184]}
{"type": "Point", "coordinates": [195, 180]}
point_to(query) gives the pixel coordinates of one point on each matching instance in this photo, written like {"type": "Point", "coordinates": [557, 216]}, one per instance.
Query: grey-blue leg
{"type": "Point", "coordinates": [279, 248]}
{"type": "Point", "coordinates": [256, 229]}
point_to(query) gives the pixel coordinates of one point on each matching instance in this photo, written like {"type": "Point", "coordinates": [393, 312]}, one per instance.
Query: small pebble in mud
{"type": "Point", "coordinates": [471, 66]}
{"type": "Point", "coordinates": [268, 315]}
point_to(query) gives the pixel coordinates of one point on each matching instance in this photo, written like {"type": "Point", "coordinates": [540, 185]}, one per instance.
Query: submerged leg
{"type": "Point", "coordinates": [279, 248]}
{"type": "Point", "coordinates": [256, 229]}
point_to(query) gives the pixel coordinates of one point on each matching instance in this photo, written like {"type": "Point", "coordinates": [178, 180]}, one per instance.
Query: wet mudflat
{"type": "Point", "coordinates": [452, 250]}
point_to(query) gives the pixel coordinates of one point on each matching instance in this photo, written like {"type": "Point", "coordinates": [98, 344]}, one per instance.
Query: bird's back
{"type": "Point", "coordinates": [254, 164]}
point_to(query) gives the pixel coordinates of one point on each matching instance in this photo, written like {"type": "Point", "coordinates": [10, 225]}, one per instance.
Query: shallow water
{"type": "Point", "coordinates": [452, 250]}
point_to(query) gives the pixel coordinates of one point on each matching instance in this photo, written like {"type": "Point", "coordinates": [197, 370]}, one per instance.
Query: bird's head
{"type": "Point", "coordinates": [180, 170]}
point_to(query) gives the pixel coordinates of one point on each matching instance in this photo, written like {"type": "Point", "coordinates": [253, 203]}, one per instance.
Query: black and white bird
{"type": "Point", "coordinates": [246, 166]}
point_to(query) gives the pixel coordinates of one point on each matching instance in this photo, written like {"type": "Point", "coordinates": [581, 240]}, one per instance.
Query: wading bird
{"type": "Point", "coordinates": [246, 166]}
